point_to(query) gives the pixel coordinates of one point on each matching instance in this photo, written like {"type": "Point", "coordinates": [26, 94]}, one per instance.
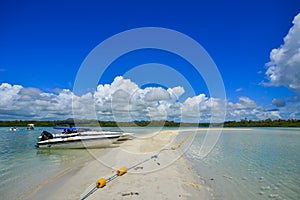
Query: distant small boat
{"type": "Point", "coordinates": [13, 129]}
{"type": "Point", "coordinates": [30, 126]}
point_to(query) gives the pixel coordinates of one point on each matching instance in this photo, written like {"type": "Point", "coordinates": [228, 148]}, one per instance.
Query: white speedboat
{"type": "Point", "coordinates": [13, 129]}
{"type": "Point", "coordinates": [82, 139]}
{"type": "Point", "coordinates": [73, 141]}
{"type": "Point", "coordinates": [73, 137]}
{"type": "Point", "coordinates": [30, 126]}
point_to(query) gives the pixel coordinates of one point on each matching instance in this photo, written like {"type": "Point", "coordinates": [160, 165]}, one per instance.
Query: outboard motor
{"type": "Point", "coordinates": [46, 136]}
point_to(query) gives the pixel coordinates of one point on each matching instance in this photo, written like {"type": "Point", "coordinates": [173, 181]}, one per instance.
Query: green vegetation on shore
{"type": "Point", "coordinates": [241, 123]}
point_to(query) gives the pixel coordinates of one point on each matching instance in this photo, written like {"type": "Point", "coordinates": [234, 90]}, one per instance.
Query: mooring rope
{"type": "Point", "coordinates": [123, 170]}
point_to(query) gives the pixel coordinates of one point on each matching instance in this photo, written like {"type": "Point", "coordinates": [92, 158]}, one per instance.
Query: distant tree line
{"type": "Point", "coordinates": [241, 123]}
{"type": "Point", "coordinates": [264, 123]}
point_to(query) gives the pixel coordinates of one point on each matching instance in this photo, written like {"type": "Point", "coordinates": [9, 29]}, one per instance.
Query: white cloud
{"type": "Point", "coordinates": [284, 66]}
{"type": "Point", "coordinates": [203, 109]}
{"type": "Point", "coordinates": [239, 89]}
{"type": "Point", "coordinates": [9, 93]}
{"type": "Point", "coordinates": [157, 94]}
{"type": "Point", "coordinates": [247, 108]}
{"type": "Point", "coordinates": [176, 92]}
{"type": "Point", "coordinates": [291, 109]}
{"type": "Point", "coordinates": [17, 102]}
{"type": "Point", "coordinates": [190, 107]}
{"type": "Point", "coordinates": [123, 100]}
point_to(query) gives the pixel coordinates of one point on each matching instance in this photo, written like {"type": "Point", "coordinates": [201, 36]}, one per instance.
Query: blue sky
{"type": "Point", "coordinates": [43, 44]}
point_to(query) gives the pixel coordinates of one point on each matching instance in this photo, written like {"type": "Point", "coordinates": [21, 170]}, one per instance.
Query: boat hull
{"type": "Point", "coordinates": [89, 133]}
{"type": "Point", "coordinates": [73, 143]}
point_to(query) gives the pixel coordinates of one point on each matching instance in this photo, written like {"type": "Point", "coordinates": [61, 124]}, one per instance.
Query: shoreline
{"type": "Point", "coordinates": [169, 176]}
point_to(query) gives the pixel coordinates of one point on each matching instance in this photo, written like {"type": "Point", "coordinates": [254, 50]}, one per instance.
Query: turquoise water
{"type": "Point", "coordinates": [262, 163]}
{"type": "Point", "coordinates": [23, 167]}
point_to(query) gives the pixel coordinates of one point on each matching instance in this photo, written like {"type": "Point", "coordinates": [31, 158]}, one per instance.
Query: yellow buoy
{"type": "Point", "coordinates": [173, 147]}
{"type": "Point", "coordinates": [101, 183]}
{"type": "Point", "coordinates": [184, 140]}
{"type": "Point", "coordinates": [121, 171]}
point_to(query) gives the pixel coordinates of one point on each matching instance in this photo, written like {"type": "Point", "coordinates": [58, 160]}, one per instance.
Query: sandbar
{"type": "Point", "coordinates": [166, 175]}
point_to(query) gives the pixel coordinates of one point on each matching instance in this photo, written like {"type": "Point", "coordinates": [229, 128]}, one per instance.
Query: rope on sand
{"type": "Point", "coordinates": [123, 170]}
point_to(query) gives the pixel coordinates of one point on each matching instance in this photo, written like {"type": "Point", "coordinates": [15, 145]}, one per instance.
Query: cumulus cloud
{"type": "Point", "coordinates": [17, 102]}
{"type": "Point", "coordinates": [248, 108]}
{"type": "Point", "coordinates": [284, 65]}
{"type": "Point", "coordinates": [157, 94]}
{"type": "Point", "coordinates": [176, 92]}
{"type": "Point", "coordinates": [278, 102]}
{"type": "Point", "coordinates": [124, 100]}
{"type": "Point", "coordinates": [9, 94]}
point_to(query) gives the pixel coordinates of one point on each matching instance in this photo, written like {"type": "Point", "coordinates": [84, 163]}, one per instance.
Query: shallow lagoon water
{"type": "Point", "coordinates": [260, 163]}
{"type": "Point", "coordinates": [23, 168]}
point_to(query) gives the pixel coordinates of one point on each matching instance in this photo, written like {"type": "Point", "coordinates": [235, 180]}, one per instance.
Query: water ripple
{"type": "Point", "coordinates": [261, 163]}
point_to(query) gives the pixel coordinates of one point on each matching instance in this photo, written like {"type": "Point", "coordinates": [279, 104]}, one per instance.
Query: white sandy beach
{"type": "Point", "coordinates": [166, 177]}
